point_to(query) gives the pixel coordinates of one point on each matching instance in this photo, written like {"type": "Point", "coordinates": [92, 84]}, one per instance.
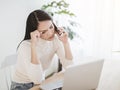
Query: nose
{"type": "Point", "coordinates": [50, 32]}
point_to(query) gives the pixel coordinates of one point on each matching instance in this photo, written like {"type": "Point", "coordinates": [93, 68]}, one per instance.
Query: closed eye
{"type": "Point", "coordinates": [51, 27]}
{"type": "Point", "coordinates": [43, 32]}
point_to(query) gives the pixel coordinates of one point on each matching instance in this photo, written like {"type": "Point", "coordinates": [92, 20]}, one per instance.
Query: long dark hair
{"type": "Point", "coordinates": [32, 22]}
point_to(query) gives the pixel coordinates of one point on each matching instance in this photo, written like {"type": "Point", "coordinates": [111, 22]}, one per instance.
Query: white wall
{"type": "Point", "coordinates": [13, 14]}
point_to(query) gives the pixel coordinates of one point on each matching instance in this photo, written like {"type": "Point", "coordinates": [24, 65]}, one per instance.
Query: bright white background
{"type": "Point", "coordinates": [99, 19]}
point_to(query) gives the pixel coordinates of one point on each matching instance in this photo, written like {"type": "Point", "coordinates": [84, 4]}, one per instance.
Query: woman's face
{"type": "Point", "coordinates": [46, 29]}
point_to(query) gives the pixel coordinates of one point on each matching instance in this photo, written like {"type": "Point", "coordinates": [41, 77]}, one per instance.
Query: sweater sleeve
{"type": "Point", "coordinates": [61, 54]}
{"type": "Point", "coordinates": [34, 72]}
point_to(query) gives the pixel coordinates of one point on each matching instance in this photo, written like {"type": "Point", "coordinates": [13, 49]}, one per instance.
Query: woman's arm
{"type": "Point", "coordinates": [28, 59]}
{"type": "Point", "coordinates": [34, 38]}
{"type": "Point", "coordinates": [68, 53]}
{"type": "Point", "coordinates": [63, 37]}
{"type": "Point", "coordinates": [33, 72]}
{"type": "Point", "coordinates": [63, 51]}
{"type": "Point", "coordinates": [55, 81]}
{"type": "Point", "coordinates": [34, 58]}
{"type": "Point", "coordinates": [51, 82]}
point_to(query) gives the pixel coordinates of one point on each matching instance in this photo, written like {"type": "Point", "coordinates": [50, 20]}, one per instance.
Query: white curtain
{"type": "Point", "coordinates": [104, 29]}
{"type": "Point", "coordinates": [116, 27]}
{"type": "Point", "coordinates": [107, 27]}
{"type": "Point", "coordinates": [100, 20]}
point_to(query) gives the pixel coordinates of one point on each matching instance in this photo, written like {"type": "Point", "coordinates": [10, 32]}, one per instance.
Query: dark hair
{"type": "Point", "coordinates": [32, 22]}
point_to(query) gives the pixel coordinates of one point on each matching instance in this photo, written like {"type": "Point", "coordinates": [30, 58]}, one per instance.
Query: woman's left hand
{"type": "Point", "coordinates": [63, 36]}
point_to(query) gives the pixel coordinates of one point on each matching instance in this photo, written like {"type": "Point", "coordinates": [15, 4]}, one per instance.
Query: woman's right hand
{"type": "Point", "coordinates": [34, 37]}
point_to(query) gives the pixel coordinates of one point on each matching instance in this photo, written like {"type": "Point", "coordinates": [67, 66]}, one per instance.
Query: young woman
{"type": "Point", "coordinates": [41, 42]}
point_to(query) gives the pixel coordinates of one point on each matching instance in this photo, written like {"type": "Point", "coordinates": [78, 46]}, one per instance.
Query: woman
{"type": "Point", "coordinates": [41, 42]}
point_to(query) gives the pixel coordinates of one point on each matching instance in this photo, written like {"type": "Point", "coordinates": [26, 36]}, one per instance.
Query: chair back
{"type": "Point", "coordinates": [6, 69]}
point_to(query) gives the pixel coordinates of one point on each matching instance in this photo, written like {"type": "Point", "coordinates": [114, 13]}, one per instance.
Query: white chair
{"type": "Point", "coordinates": [6, 70]}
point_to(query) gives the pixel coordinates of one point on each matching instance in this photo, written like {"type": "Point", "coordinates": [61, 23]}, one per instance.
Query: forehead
{"type": "Point", "coordinates": [43, 25]}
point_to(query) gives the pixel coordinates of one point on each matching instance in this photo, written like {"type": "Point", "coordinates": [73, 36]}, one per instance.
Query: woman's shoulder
{"type": "Point", "coordinates": [24, 44]}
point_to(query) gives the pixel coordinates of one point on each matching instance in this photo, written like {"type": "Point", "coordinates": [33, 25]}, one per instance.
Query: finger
{"type": "Point", "coordinates": [35, 34]}
{"type": "Point", "coordinates": [64, 34]}
{"type": "Point", "coordinates": [38, 33]}
{"type": "Point", "coordinates": [61, 33]}
{"type": "Point", "coordinates": [61, 28]}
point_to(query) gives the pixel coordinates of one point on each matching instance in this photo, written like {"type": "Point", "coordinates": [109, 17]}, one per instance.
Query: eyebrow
{"type": "Point", "coordinates": [46, 29]}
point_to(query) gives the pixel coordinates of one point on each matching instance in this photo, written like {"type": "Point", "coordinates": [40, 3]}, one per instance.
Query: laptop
{"type": "Point", "coordinates": [84, 76]}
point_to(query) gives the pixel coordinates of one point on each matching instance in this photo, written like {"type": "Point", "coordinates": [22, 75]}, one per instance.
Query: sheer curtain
{"type": "Point", "coordinates": [100, 22]}
{"type": "Point", "coordinates": [107, 28]}
{"type": "Point", "coordinates": [104, 29]}
{"type": "Point", "coordinates": [116, 27]}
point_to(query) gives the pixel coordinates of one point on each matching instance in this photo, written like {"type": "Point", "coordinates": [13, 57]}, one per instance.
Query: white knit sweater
{"type": "Point", "coordinates": [26, 72]}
